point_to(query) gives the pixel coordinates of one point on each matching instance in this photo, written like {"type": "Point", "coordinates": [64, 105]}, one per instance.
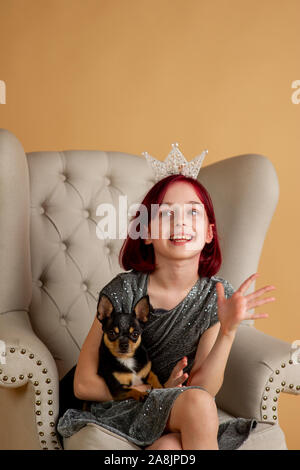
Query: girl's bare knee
{"type": "Point", "coordinates": [170, 441]}
{"type": "Point", "coordinates": [190, 405]}
{"type": "Point", "coordinates": [196, 398]}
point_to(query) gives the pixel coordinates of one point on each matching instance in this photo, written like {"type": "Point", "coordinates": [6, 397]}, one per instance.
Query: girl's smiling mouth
{"type": "Point", "coordinates": [180, 239]}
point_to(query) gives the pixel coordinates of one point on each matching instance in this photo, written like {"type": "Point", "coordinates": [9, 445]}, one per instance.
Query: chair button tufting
{"type": "Point", "coordinates": [42, 210]}
{"type": "Point", "coordinates": [86, 214]}
{"type": "Point", "coordinates": [63, 246]}
{"type": "Point", "coordinates": [63, 177]}
{"type": "Point", "coordinates": [84, 287]}
{"type": "Point", "coordinates": [39, 283]}
{"type": "Point", "coordinates": [63, 321]}
{"type": "Point", "coordinates": [107, 250]}
{"type": "Point", "coordinates": [107, 181]}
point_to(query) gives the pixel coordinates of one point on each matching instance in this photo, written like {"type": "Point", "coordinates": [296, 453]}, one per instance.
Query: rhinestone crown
{"type": "Point", "coordinates": [174, 164]}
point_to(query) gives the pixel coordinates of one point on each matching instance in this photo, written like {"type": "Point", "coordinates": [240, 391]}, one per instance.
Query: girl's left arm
{"type": "Point", "coordinates": [211, 359]}
{"type": "Point", "coordinates": [215, 344]}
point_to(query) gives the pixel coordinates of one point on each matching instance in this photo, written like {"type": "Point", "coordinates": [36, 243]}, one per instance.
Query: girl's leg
{"type": "Point", "coordinates": [194, 415]}
{"type": "Point", "coordinates": [170, 441]}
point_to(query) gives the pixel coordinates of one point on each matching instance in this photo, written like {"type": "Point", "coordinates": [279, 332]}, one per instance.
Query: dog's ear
{"type": "Point", "coordinates": [142, 309]}
{"type": "Point", "coordinates": [105, 308]}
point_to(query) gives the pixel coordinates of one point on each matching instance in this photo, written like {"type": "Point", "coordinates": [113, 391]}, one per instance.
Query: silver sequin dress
{"type": "Point", "coordinates": [168, 336]}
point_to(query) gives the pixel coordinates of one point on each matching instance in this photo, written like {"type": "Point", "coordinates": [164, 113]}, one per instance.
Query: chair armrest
{"type": "Point", "coordinates": [259, 367]}
{"type": "Point", "coordinates": [27, 360]}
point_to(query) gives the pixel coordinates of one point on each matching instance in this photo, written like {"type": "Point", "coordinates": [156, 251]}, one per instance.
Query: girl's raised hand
{"type": "Point", "coordinates": [235, 309]}
{"type": "Point", "coordinates": [177, 376]}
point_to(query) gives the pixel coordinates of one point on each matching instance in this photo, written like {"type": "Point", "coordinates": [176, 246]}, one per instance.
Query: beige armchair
{"type": "Point", "coordinates": [53, 266]}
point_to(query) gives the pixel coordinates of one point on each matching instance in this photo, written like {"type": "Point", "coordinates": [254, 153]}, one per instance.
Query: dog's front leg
{"type": "Point", "coordinates": [152, 380]}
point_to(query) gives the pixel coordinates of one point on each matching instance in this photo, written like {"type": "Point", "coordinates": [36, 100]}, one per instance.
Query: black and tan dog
{"type": "Point", "coordinates": [123, 360]}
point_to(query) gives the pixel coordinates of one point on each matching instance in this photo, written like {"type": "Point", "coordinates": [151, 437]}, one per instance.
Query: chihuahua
{"type": "Point", "coordinates": [123, 360]}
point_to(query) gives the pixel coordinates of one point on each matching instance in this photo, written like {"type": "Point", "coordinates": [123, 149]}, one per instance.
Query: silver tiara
{"type": "Point", "coordinates": [174, 164]}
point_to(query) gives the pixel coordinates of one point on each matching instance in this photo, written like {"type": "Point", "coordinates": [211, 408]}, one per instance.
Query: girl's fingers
{"type": "Point", "coordinates": [259, 315]}
{"type": "Point", "coordinates": [246, 284]}
{"type": "Point", "coordinates": [177, 371]}
{"type": "Point", "coordinates": [257, 303]}
{"type": "Point", "coordinates": [259, 292]}
{"type": "Point", "coordinates": [182, 363]}
{"type": "Point", "coordinates": [220, 289]}
{"type": "Point", "coordinates": [220, 293]}
{"type": "Point", "coordinates": [181, 379]}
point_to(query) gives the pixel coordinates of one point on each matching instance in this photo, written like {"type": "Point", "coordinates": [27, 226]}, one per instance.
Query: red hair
{"type": "Point", "coordinates": [135, 254]}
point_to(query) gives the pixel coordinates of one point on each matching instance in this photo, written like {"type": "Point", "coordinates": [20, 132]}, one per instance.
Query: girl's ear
{"type": "Point", "coordinates": [210, 234]}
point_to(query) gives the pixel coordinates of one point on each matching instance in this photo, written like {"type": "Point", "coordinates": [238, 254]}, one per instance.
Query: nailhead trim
{"type": "Point", "coordinates": [277, 390]}
{"type": "Point", "coordinates": [38, 402]}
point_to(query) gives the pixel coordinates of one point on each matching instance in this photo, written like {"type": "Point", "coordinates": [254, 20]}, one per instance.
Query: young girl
{"type": "Point", "coordinates": [192, 325]}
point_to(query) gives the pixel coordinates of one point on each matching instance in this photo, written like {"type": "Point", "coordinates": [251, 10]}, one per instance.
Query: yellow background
{"type": "Point", "coordinates": [135, 75]}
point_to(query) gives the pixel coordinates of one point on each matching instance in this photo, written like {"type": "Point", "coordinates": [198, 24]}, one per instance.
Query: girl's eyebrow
{"type": "Point", "coordinates": [189, 202]}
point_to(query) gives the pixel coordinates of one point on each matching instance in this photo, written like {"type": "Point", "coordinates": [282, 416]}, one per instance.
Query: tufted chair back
{"type": "Point", "coordinates": [70, 263]}
{"type": "Point", "coordinates": [52, 261]}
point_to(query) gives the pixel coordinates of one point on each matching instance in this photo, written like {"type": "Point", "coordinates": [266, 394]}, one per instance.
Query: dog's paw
{"type": "Point", "coordinates": [138, 395]}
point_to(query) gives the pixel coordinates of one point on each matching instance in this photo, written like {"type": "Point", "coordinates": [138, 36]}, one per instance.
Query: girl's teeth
{"type": "Point", "coordinates": [181, 238]}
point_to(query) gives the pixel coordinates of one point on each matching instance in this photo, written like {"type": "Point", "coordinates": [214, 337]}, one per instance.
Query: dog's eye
{"type": "Point", "coordinates": [112, 333]}
{"type": "Point", "coordinates": [135, 335]}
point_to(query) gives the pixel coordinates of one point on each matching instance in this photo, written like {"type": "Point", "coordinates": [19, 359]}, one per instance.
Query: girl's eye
{"type": "Point", "coordinates": [163, 213]}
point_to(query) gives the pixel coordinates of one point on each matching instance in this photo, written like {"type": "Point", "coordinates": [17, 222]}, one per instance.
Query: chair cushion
{"type": "Point", "coordinates": [265, 436]}
{"type": "Point", "coordinates": [94, 437]}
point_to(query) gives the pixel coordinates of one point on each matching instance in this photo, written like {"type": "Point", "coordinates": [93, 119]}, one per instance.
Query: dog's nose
{"type": "Point", "coordinates": [123, 346]}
